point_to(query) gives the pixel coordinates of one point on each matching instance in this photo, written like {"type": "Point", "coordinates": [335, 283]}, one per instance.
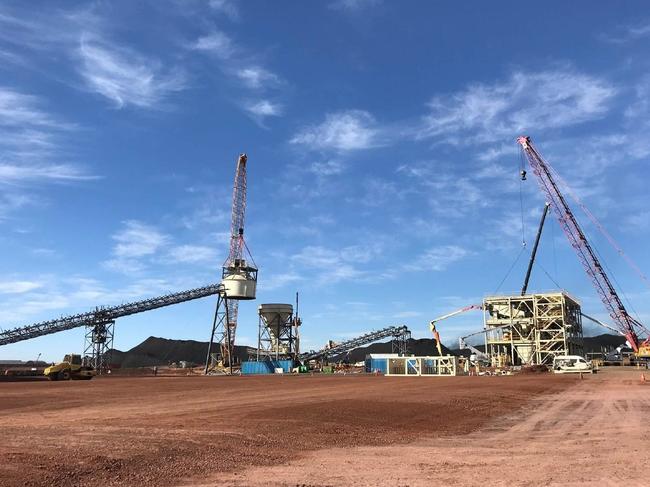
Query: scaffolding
{"type": "Point", "coordinates": [532, 329]}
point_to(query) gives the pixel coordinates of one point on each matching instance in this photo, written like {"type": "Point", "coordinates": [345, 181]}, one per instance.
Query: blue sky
{"type": "Point", "coordinates": [383, 168]}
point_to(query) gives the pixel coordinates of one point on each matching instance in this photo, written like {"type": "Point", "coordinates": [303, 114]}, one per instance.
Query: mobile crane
{"type": "Point", "coordinates": [623, 321]}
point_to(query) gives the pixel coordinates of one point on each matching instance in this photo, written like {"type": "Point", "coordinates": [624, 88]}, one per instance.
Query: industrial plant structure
{"type": "Point", "coordinates": [532, 329]}
{"type": "Point", "coordinates": [278, 332]}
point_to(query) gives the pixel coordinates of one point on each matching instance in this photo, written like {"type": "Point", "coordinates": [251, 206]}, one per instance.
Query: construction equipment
{"type": "Point", "coordinates": [100, 323]}
{"type": "Point", "coordinates": [238, 277]}
{"type": "Point", "coordinates": [432, 323]}
{"type": "Point", "coordinates": [400, 335]}
{"type": "Point", "coordinates": [546, 177]}
{"type": "Point", "coordinates": [72, 367]}
{"type": "Point", "coordinates": [477, 355]}
{"type": "Point", "coordinates": [533, 254]}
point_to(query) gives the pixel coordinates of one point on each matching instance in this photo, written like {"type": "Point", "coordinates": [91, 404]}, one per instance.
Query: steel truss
{"type": "Point", "coordinates": [100, 322]}
{"type": "Point", "coordinates": [400, 334]}
{"type": "Point", "coordinates": [99, 345]}
{"type": "Point", "coordinates": [532, 329]}
{"type": "Point", "coordinates": [223, 331]}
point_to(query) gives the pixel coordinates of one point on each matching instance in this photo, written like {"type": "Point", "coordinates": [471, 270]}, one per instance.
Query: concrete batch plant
{"type": "Point", "coordinates": [278, 333]}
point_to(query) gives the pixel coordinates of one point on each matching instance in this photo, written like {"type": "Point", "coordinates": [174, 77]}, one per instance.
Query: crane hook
{"type": "Point", "coordinates": [523, 174]}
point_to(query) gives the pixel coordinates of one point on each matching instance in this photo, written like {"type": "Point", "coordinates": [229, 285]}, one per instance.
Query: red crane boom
{"type": "Point", "coordinates": [580, 244]}
{"type": "Point", "coordinates": [237, 243]}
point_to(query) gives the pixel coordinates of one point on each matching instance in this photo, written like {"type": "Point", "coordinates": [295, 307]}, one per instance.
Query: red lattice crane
{"type": "Point", "coordinates": [546, 177]}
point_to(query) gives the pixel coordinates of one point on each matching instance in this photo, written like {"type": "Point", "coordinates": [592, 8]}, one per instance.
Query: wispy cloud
{"type": "Point", "coordinates": [243, 67]}
{"type": "Point", "coordinates": [216, 43]}
{"type": "Point", "coordinates": [194, 254]}
{"type": "Point", "coordinates": [137, 239]}
{"type": "Point", "coordinates": [628, 33]}
{"type": "Point", "coordinates": [326, 168]}
{"type": "Point", "coordinates": [279, 280]}
{"type": "Point", "coordinates": [257, 77]}
{"type": "Point", "coordinates": [527, 100]}
{"type": "Point", "coordinates": [344, 131]}
{"type": "Point", "coordinates": [263, 108]}
{"type": "Point", "coordinates": [33, 145]}
{"type": "Point", "coordinates": [354, 5]}
{"type": "Point", "coordinates": [125, 76]}
{"type": "Point", "coordinates": [227, 7]}
{"type": "Point", "coordinates": [18, 287]}
{"type": "Point", "coordinates": [439, 258]}
{"type": "Point", "coordinates": [13, 174]}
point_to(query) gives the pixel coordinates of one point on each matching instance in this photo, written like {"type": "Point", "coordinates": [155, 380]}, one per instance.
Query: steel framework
{"type": "Point", "coordinates": [277, 336]}
{"type": "Point", "coordinates": [546, 177]}
{"type": "Point", "coordinates": [532, 329]}
{"type": "Point", "coordinates": [400, 334]}
{"type": "Point", "coordinates": [220, 335]}
{"type": "Point", "coordinates": [100, 321]}
{"type": "Point", "coordinates": [99, 345]}
{"type": "Point", "coordinates": [422, 366]}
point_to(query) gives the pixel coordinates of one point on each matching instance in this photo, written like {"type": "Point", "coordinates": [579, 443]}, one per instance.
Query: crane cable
{"type": "Point", "coordinates": [600, 227]}
{"type": "Point", "coordinates": [510, 270]}
{"type": "Point", "coordinates": [522, 172]}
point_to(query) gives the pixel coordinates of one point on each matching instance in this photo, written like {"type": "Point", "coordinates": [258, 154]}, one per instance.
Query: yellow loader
{"type": "Point", "coordinates": [71, 367]}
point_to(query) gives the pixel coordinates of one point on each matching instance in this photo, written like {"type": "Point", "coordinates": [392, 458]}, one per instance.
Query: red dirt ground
{"type": "Point", "coordinates": [213, 430]}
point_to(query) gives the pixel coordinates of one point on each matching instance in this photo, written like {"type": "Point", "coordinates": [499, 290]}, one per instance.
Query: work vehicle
{"type": "Point", "coordinates": [567, 364]}
{"type": "Point", "coordinates": [72, 367]}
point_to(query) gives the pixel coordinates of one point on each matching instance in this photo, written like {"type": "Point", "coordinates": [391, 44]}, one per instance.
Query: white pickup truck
{"type": "Point", "coordinates": [567, 364]}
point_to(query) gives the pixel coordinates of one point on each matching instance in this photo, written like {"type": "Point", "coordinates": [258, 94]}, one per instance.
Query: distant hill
{"type": "Point", "coordinates": [162, 351]}
{"type": "Point", "coordinates": [603, 343]}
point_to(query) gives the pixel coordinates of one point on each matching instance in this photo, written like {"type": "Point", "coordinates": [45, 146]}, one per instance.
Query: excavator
{"type": "Point", "coordinates": [71, 367]}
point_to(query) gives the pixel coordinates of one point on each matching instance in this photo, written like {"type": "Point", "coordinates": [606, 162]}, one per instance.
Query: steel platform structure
{"type": "Point", "coordinates": [532, 329]}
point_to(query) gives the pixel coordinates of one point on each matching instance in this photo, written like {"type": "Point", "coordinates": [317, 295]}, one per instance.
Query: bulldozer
{"type": "Point", "coordinates": [71, 367]}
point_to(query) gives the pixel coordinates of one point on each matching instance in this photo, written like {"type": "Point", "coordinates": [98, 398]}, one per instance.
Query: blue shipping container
{"type": "Point", "coordinates": [249, 368]}
{"type": "Point", "coordinates": [377, 364]}
{"type": "Point", "coordinates": [266, 367]}
{"type": "Point", "coordinates": [285, 365]}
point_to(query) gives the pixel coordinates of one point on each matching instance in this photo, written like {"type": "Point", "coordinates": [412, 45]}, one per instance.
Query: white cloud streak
{"type": "Point", "coordinates": [137, 239]}
{"type": "Point", "coordinates": [257, 77]}
{"type": "Point", "coordinates": [216, 43]}
{"type": "Point", "coordinates": [484, 113]}
{"type": "Point", "coordinates": [18, 287]}
{"type": "Point", "coordinates": [124, 76]}
{"type": "Point", "coordinates": [343, 131]}
{"type": "Point", "coordinates": [438, 258]}
{"type": "Point", "coordinates": [264, 108]}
